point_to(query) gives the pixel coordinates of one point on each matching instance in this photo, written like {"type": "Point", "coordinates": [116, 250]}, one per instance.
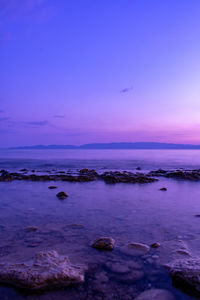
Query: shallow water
{"type": "Point", "coordinates": [126, 212]}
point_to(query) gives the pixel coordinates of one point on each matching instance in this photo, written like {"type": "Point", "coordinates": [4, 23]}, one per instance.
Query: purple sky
{"type": "Point", "coordinates": [83, 71]}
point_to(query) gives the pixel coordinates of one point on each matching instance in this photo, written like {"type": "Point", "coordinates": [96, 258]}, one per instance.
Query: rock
{"type": "Point", "coordinates": [104, 243]}
{"type": "Point", "coordinates": [31, 228]}
{"type": "Point", "coordinates": [156, 294]}
{"type": "Point", "coordinates": [46, 270]}
{"type": "Point", "coordinates": [24, 170]}
{"type": "Point", "coordinates": [75, 226]}
{"type": "Point", "coordinates": [138, 168]}
{"type": "Point", "coordinates": [62, 195]}
{"type": "Point", "coordinates": [163, 189]}
{"type": "Point", "coordinates": [186, 272]}
{"type": "Point", "coordinates": [135, 249]}
{"type": "Point", "coordinates": [155, 245]}
{"type": "Point", "coordinates": [51, 187]}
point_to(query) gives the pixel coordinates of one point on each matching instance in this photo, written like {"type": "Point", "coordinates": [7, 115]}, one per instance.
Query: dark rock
{"type": "Point", "coordinates": [186, 273]}
{"type": "Point", "coordinates": [62, 195]}
{"type": "Point", "coordinates": [104, 243]}
{"type": "Point", "coordinates": [163, 189]}
{"type": "Point", "coordinates": [31, 228]}
{"type": "Point", "coordinates": [51, 187]}
{"type": "Point", "coordinates": [155, 245]}
{"type": "Point", "coordinates": [46, 270]}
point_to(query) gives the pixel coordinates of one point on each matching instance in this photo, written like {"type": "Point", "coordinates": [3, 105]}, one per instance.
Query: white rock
{"type": "Point", "coordinates": [156, 294]}
{"type": "Point", "coordinates": [47, 269]}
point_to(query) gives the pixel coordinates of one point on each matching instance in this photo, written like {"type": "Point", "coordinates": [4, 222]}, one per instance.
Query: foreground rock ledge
{"type": "Point", "coordinates": [47, 270]}
{"type": "Point", "coordinates": [186, 272]}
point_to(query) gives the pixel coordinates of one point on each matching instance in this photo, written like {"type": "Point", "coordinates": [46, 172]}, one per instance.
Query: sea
{"type": "Point", "coordinates": [128, 213]}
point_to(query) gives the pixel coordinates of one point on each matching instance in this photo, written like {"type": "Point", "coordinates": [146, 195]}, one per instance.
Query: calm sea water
{"type": "Point", "coordinates": [126, 212]}
{"type": "Point", "coordinates": [99, 159]}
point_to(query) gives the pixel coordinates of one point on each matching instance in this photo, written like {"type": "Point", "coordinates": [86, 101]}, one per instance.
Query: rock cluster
{"type": "Point", "coordinates": [193, 175]}
{"type": "Point", "coordinates": [126, 177]}
{"type": "Point", "coordinates": [46, 270]}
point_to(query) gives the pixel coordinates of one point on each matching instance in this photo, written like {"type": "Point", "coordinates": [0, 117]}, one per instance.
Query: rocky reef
{"type": "Point", "coordinates": [84, 175]}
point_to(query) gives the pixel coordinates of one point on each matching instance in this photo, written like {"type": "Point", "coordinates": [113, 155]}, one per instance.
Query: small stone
{"type": "Point", "coordinates": [163, 189]}
{"type": "Point", "coordinates": [155, 245]}
{"type": "Point", "coordinates": [62, 195]}
{"type": "Point", "coordinates": [156, 294]}
{"type": "Point", "coordinates": [31, 228]}
{"type": "Point", "coordinates": [51, 187]}
{"type": "Point", "coordinates": [104, 243]}
{"type": "Point", "coordinates": [76, 226]}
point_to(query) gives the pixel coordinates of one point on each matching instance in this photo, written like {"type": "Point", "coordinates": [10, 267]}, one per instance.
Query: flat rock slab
{"type": "Point", "coordinates": [156, 294]}
{"type": "Point", "coordinates": [135, 249]}
{"type": "Point", "coordinates": [186, 272]}
{"type": "Point", "coordinates": [46, 270]}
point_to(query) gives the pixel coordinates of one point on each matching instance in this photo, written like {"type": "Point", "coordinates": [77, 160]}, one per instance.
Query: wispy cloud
{"type": "Point", "coordinates": [126, 90]}
{"type": "Point", "coordinates": [38, 123]}
{"type": "Point", "coordinates": [59, 116]}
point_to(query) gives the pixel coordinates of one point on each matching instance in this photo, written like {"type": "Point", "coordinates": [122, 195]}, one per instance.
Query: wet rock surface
{"type": "Point", "coordinates": [185, 273]}
{"type": "Point", "coordinates": [192, 175]}
{"type": "Point", "coordinates": [62, 195]}
{"type": "Point", "coordinates": [126, 177]}
{"type": "Point", "coordinates": [103, 243]}
{"type": "Point", "coordinates": [46, 270]}
{"type": "Point", "coordinates": [84, 175]}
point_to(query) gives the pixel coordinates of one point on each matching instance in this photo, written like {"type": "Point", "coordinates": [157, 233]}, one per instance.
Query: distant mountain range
{"type": "Point", "coordinates": [138, 145]}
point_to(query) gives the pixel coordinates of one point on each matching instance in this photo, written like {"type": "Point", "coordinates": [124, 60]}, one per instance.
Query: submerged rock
{"type": "Point", "coordinates": [186, 272]}
{"type": "Point", "coordinates": [51, 187]}
{"type": "Point", "coordinates": [62, 195]}
{"type": "Point", "coordinates": [135, 249]}
{"type": "Point", "coordinates": [31, 228]}
{"type": "Point", "coordinates": [156, 294]}
{"type": "Point", "coordinates": [46, 270]}
{"type": "Point", "coordinates": [104, 243]}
